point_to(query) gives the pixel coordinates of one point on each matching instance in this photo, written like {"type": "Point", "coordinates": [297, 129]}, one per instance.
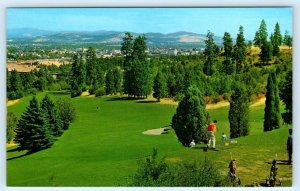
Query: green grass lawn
{"type": "Point", "coordinates": [101, 148]}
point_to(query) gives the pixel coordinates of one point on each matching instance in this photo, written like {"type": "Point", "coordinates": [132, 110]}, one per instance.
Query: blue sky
{"type": "Point", "coordinates": [142, 20]}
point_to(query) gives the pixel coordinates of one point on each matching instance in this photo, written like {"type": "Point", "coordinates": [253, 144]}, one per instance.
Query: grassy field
{"type": "Point", "coordinates": [102, 148]}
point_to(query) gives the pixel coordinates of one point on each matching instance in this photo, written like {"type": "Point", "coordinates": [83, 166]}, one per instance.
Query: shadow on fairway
{"type": "Point", "coordinates": [120, 99]}
{"type": "Point", "coordinates": [280, 162]}
{"type": "Point", "coordinates": [146, 101]}
{"type": "Point", "coordinates": [59, 92]}
{"type": "Point", "coordinates": [20, 156]}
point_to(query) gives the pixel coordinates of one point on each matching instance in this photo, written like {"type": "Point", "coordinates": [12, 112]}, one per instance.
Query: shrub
{"type": "Point", "coordinates": [100, 92]}
{"type": "Point", "coordinates": [154, 172]}
{"type": "Point", "coordinates": [66, 111]}
{"type": "Point", "coordinates": [11, 126]}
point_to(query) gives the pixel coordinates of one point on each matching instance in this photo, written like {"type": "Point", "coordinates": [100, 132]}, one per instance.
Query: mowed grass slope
{"type": "Point", "coordinates": [102, 148]}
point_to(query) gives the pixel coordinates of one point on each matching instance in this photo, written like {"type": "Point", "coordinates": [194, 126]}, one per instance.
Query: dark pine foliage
{"type": "Point", "coordinates": [190, 119]}
{"type": "Point", "coordinates": [33, 132]}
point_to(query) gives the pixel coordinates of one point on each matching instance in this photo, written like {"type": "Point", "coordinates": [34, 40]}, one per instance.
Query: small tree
{"type": "Point", "coordinates": [66, 111]}
{"type": "Point", "coordinates": [240, 50]}
{"type": "Point", "coordinates": [239, 111]}
{"type": "Point", "coordinates": [190, 119]}
{"type": "Point", "coordinates": [159, 87]}
{"type": "Point", "coordinates": [33, 132]}
{"type": "Point", "coordinates": [52, 114]}
{"type": "Point", "coordinates": [12, 121]}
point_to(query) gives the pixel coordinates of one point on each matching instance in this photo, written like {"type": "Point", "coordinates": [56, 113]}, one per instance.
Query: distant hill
{"type": "Point", "coordinates": [180, 38]}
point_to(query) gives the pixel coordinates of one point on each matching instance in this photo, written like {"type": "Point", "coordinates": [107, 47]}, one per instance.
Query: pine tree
{"type": "Point", "coordinates": [276, 121]}
{"type": "Point", "coordinates": [190, 119]}
{"type": "Point", "coordinates": [228, 66]}
{"type": "Point", "coordinates": [127, 48]}
{"type": "Point", "coordinates": [109, 82]}
{"type": "Point", "coordinates": [287, 40]}
{"type": "Point", "coordinates": [240, 51]}
{"type": "Point", "coordinates": [160, 86]}
{"type": "Point", "coordinates": [210, 54]}
{"type": "Point", "coordinates": [139, 48]}
{"type": "Point", "coordinates": [78, 75]}
{"type": "Point", "coordinates": [33, 132]}
{"type": "Point", "coordinates": [239, 112]}
{"type": "Point", "coordinates": [54, 120]}
{"type": "Point", "coordinates": [117, 73]}
{"type": "Point", "coordinates": [256, 40]}
{"type": "Point", "coordinates": [272, 118]}
{"type": "Point", "coordinates": [92, 75]}
{"type": "Point", "coordinates": [286, 94]}
{"type": "Point", "coordinates": [276, 40]}
{"type": "Point", "coordinates": [277, 34]}
{"type": "Point", "coordinates": [15, 86]}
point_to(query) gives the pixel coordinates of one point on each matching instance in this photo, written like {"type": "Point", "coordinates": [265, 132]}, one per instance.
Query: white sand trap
{"type": "Point", "coordinates": [158, 131]}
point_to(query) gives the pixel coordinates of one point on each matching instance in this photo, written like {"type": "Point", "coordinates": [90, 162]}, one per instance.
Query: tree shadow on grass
{"type": "Point", "coordinates": [146, 101]}
{"type": "Point", "coordinates": [20, 156]}
{"type": "Point", "coordinates": [120, 99]}
{"type": "Point", "coordinates": [59, 92]}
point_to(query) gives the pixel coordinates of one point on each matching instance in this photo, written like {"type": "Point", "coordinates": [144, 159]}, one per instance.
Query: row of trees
{"type": "Point", "coordinates": [42, 123]}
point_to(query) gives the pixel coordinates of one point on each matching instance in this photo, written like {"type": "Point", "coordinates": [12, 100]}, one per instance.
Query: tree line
{"type": "Point", "coordinates": [40, 124]}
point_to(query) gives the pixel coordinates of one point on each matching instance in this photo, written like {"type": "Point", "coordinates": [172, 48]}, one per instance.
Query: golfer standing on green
{"type": "Point", "coordinates": [212, 128]}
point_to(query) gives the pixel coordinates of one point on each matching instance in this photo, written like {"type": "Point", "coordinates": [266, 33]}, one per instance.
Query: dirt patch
{"type": "Point", "coordinates": [86, 93]}
{"type": "Point", "coordinates": [28, 65]}
{"type": "Point", "coordinates": [217, 105]}
{"type": "Point", "coordinates": [12, 102]}
{"type": "Point", "coordinates": [158, 131]}
{"type": "Point", "coordinates": [10, 145]}
{"type": "Point", "coordinates": [259, 102]}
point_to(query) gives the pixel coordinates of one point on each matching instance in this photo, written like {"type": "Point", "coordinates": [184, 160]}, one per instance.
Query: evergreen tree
{"type": "Point", "coordinates": [210, 53]}
{"type": "Point", "coordinates": [92, 74]}
{"type": "Point", "coordinates": [239, 111]}
{"type": "Point", "coordinates": [117, 73]}
{"type": "Point", "coordinates": [240, 51]}
{"type": "Point", "coordinates": [33, 132]}
{"type": "Point", "coordinates": [286, 94]}
{"type": "Point", "coordinates": [266, 52]}
{"type": "Point", "coordinates": [190, 119]}
{"type": "Point", "coordinates": [109, 82]}
{"type": "Point", "coordinates": [276, 121]}
{"type": "Point", "coordinates": [277, 34]}
{"type": "Point", "coordinates": [127, 48]}
{"type": "Point", "coordinates": [78, 75]}
{"type": "Point", "coordinates": [228, 67]}
{"type": "Point", "coordinates": [276, 41]}
{"type": "Point", "coordinates": [15, 86]}
{"type": "Point", "coordinates": [257, 39]}
{"type": "Point", "coordinates": [11, 126]}
{"type": "Point", "coordinates": [272, 118]}
{"type": "Point", "coordinates": [159, 87]}
{"type": "Point", "coordinates": [141, 79]}
{"type": "Point", "coordinates": [52, 115]}
{"type": "Point", "coordinates": [263, 33]}
{"type": "Point", "coordinates": [139, 48]}
{"type": "Point", "coordinates": [287, 40]}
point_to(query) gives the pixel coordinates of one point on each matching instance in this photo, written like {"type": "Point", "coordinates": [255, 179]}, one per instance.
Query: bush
{"type": "Point", "coordinates": [154, 172]}
{"type": "Point", "coordinates": [100, 92]}
{"type": "Point", "coordinates": [11, 126]}
{"type": "Point", "coordinates": [66, 110]}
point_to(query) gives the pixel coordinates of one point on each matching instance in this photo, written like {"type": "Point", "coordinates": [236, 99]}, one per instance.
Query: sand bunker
{"type": "Point", "coordinates": [12, 102]}
{"type": "Point", "coordinates": [158, 131]}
